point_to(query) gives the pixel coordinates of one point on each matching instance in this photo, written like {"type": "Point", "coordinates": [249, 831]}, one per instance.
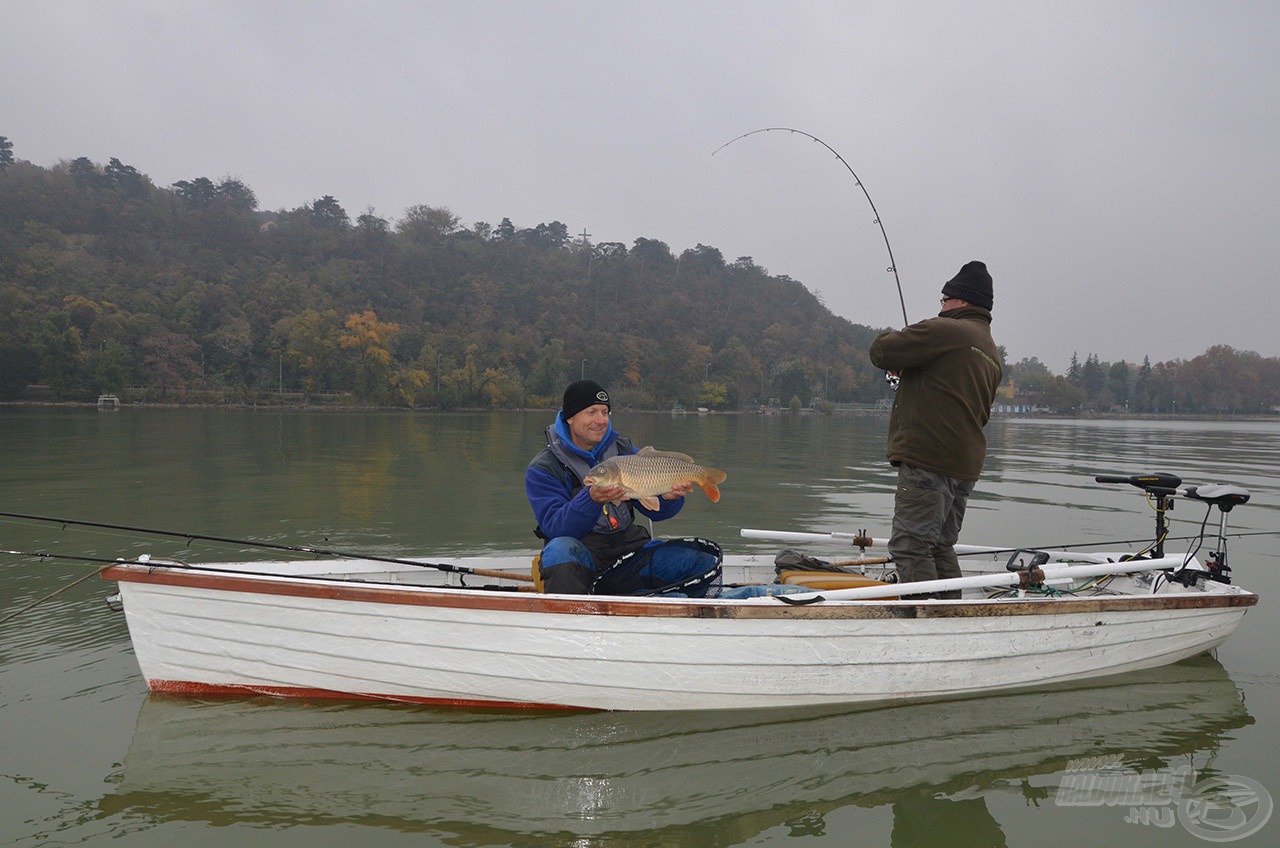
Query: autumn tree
{"type": "Point", "coordinates": [369, 340]}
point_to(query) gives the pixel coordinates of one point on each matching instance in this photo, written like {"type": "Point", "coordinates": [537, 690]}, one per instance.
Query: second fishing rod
{"type": "Point", "coordinates": [254, 543]}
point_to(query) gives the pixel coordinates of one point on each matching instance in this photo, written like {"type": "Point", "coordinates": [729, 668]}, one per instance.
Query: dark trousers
{"type": "Point", "coordinates": [569, 566]}
{"type": "Point", "coordinates": [928, 510]}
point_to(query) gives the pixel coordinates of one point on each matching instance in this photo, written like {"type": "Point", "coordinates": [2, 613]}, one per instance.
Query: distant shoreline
{"type": "Point", "coordinates": [780, 412]}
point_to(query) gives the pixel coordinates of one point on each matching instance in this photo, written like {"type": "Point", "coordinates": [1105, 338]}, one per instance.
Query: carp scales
{"type": "Point", "coordinates": [649, 473]}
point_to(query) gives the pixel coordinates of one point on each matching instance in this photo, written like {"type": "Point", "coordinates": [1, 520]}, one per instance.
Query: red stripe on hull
{"type": "Point", "coordinates": [236, 690]}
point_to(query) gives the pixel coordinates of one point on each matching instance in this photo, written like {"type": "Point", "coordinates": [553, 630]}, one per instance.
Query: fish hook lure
{"type": "Point", "coordinates": [893, 266]}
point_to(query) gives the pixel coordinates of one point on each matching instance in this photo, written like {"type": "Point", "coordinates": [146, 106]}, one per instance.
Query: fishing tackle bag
{"type": "Point", "coordinates": [689, 567]}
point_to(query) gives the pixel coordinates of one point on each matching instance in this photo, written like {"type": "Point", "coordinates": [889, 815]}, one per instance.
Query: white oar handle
{"type": "Point", "coordinates": [987, 581]}
{"type": "Point", "coordinates": [787, 536]}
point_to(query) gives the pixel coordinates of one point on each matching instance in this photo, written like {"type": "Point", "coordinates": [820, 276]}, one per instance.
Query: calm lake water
{"type": "Point", "coordinates": [86, 756]}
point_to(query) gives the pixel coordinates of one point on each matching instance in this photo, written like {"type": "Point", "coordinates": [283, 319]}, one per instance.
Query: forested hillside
{"type": "Point", "coordinates": [190, 293]}
{"type": "Point", "coordinates": [111, 284]}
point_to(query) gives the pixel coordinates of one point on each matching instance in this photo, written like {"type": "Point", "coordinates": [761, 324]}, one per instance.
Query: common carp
{"type": "Point", "coordinates": [649, 473]}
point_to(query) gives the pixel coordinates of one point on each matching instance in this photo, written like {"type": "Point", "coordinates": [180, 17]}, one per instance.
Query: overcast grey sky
{"type": "Point", "coordinates": [1114, 163]}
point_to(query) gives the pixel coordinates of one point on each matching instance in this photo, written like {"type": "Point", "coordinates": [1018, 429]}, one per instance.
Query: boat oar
{"type": "Point", "coordinates": [988, 581]}
{"type": "Point", "coordinates": [864, 541]}
{"type": "Point", "coordinates": [857, 539]}
{"type": "Point", "coordinates": [440, 566]}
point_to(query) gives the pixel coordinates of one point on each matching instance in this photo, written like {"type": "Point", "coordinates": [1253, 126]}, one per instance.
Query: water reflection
{"type": "Point", "coordinates": [478, 779]}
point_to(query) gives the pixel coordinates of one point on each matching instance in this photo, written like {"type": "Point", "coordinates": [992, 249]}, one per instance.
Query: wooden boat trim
{"type": "Point", "coordinates": [477, 599]}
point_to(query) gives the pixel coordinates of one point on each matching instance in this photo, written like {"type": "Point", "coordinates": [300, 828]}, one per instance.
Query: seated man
{"type": "Point", "coordinates": [587, 528]}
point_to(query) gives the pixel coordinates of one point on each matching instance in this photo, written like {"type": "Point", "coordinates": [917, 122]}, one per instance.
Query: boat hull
{"type": "Point", "coordinates": [205, 632]}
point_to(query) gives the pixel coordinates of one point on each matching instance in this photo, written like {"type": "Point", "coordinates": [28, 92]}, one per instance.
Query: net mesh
{"type": "Point", "coordinates": [691, 567]}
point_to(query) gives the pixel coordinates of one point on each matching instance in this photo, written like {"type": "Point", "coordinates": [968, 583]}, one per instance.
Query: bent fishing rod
{"type": "Point", "coordinates": [253, 543]}
{"type": "Point", "coordinates": [893, 266]}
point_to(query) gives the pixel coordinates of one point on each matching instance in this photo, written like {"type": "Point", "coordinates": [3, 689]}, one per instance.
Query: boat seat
{"type": "Point", "coordinates": [828, 580]}
{"type": "Point", "coordinates": [1222, 495]}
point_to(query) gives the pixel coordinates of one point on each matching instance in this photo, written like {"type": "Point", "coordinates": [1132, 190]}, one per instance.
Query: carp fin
{"type": "Point", "coordinates": [652, 452]}
{"type": "Point", "coordinates": [651, 503]}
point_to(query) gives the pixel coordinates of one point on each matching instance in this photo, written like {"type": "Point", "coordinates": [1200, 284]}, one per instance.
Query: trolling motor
{"type": "Point", "coordinates": [1160, 486]}
{"type": "Point", "coordinates": [1163, 487]}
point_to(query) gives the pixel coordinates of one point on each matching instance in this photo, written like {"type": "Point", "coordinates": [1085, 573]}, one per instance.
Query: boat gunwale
{"type": "Point", "coordinates": [312, 586]}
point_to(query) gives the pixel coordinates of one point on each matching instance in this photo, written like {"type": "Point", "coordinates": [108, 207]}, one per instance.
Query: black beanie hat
{"type": "Point", "coordinates": [580, 395]}
{"type": "Point", "coordinates": [972, 284]}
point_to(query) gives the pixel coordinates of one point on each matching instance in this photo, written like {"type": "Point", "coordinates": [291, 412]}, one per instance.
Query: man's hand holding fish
{"type": "Point", "coordinates": [649, 473]}
{"type": "Point", "coordinates": [603, 493]}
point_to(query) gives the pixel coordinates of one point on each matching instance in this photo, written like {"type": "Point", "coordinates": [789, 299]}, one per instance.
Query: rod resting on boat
{"type": "Point", "coordinates": [441, 566]}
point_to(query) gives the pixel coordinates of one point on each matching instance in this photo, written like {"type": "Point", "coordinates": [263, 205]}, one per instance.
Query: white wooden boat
{"type": "Point", "coordinates": [393, 631]}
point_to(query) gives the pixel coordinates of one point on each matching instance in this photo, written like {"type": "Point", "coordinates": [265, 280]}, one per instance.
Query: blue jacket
{"type": "Point", "coordinates": [562, 505]}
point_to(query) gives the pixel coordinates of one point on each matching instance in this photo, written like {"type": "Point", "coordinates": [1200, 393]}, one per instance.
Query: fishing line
{"type": "Point", "coordinates": [459, 569]}
{"type": "Point", "coordinates": [151, 563]}
{"type": "Point", "coordinates": [1142, 541]}
{"type": "Point", "coordinates": [76, 582]}
{"type": "Point", "coordinates": [893, 266]}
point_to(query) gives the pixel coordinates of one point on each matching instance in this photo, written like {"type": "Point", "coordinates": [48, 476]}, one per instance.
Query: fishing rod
{"type": "Point", "coordinates": [146, 560]}
{"type": "Point", "coordinates": [893, 266]}
{"type": "Point", "coordinates": [73, 583]}
{"type": "Point", "coordinates": [253, 543]}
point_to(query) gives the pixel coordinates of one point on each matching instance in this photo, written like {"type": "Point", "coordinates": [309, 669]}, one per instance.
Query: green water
{"type": "Point", "coordinates": [87, 757]}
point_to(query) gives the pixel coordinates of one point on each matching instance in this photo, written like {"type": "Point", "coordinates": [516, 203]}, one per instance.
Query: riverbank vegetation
{"type": "Point", "coordinates": [190, 292]}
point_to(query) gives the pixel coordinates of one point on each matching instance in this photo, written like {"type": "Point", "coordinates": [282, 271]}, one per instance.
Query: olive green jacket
{"type": "Point", "coordinates": [950, 370]}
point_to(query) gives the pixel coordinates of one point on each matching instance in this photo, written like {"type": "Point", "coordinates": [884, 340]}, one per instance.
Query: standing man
{"type": "Point", "coordinates": [586, 528]}
{"type": "Point", "coordinates": [949, 369]}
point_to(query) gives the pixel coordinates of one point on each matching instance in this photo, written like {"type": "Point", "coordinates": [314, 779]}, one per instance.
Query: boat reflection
{"type": "Point", "coordinates": [606, 779]}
